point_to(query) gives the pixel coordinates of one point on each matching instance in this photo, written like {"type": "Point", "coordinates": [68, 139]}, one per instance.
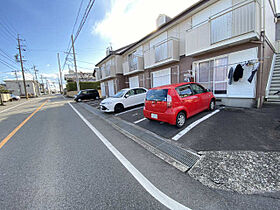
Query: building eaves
{"type": "Point", "coordinates": [114, 52]}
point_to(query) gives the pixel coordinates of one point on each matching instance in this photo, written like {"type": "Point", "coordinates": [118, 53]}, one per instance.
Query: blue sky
{"type": "Point", "coordinates": [46, 25]}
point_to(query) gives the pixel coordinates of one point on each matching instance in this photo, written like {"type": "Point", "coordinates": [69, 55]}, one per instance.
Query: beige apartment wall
{"type": "Point", "coordinates": [118, 64]}
{"type": "Point", "coordinates": [269, 23]}
{"type": "Point", "coordinates": [198, 39]}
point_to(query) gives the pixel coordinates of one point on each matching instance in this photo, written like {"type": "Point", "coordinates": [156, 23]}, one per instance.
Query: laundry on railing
{"type": "Point", "coordinates": [255, 69]}
{"type": "Point", "coordinates": [237, 73]}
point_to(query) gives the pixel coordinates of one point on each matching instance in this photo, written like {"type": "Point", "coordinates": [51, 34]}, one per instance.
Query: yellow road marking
{"type": "Point", "coordinates": [4, 141]}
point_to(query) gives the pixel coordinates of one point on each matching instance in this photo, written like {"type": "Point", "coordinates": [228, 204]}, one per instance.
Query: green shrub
{"type": "Point", "coordinates": [3, 90]}
{"type": "Point", "coordinates": [72, 86]}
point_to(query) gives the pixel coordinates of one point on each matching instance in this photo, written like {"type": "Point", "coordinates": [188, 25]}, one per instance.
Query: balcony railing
{"type": "Point", "coordinates": [107, 72]}
{"type": "Point", "coordinates": [98, 74]}
{"type": "Point", "coordinates": [134, 64]}
{"type": "Point", "coordinates": [162, 53]}
{"type": "Point", "coordinates": [230, 23]}
{"type": "Point", "coordinates": [238, 21]}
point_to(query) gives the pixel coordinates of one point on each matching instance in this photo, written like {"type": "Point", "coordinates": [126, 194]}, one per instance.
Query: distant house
{"type": "Point", "coordinates": [17, 87]}
{"type": "Point", "coordinates": [83, 76]}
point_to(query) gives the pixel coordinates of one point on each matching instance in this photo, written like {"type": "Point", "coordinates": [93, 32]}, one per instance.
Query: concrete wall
{"type": "Point", "coordinates": [5, 97]}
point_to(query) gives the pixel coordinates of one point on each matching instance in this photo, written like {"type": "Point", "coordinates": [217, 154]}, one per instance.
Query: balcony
{"type": "Point", "coordinates": [233, 25]}
{"type": "Point", "coordinates": [98, 74]}
{"type": "Point", "coordinates": [162, 53]}
{"type": "Point", "coordinates": [133, 65]}
{"type": "Point", "coordinates": [108, 72]}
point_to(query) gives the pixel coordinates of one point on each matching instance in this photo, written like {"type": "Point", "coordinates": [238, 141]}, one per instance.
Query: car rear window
{"type": "Point", "coordinates": [157, 95]}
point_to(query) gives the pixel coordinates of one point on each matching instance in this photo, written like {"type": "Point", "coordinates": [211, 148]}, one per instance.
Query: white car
{"type": "Point", "coordinates": [124, 98]}
{"type": "Point", "coordinates": [14, 97]}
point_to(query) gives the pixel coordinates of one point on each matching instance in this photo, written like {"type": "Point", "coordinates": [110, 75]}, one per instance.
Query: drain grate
{"type": "Point", "coordinates": [182, 156]}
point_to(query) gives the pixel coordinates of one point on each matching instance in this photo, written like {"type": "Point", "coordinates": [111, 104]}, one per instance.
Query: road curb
{"type": "Point", "coordinates": [154, 150]}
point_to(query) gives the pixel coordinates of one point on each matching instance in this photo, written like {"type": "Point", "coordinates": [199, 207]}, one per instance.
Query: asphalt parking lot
{"type": "Point", "coordinates": [160, 128]}
{"type": "Point", "coordinates": [230, 129]}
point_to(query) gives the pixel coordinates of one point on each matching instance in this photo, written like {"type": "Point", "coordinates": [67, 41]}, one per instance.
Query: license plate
{"type": "Point", "coordinates": [155, 116]}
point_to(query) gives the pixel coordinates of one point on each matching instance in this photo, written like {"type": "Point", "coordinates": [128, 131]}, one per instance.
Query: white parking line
{"type": "Point", "coordinates": [191, 126]}
{"type": "Point", "coordinates": [129, 110]}
{"type": "Point", "coordinates": [148, 186]}
{"type": "Point", "coordinates": [138, 121]}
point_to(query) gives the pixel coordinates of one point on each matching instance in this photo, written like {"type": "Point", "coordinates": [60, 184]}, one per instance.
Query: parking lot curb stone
{"type": "Point", "coordinates": [150, 141]}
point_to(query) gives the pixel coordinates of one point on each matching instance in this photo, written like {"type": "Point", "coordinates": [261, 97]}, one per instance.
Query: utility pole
{"type": "Point", "coordinates": [42, 83]}
{"type": "Point", "coordinates": [22, 69]}
{"type": "Point", "coordinates": [60, 75]}
{"type": "Point", "coordinates": [59, 83]}
{"type": "Point", "coordinates": [75, 64]}
{"type": "Point", "coordinates": [36, 80]}
{"type": "Point", "coordinates": [35, 71]}
{"type": "Point", "coordinates": [47, 85]}
{"type": "Point", "coordinates": [19, 86]}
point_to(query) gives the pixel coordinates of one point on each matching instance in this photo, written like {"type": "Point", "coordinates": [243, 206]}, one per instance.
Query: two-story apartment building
{"type": "Point", "coordinates": [110, 72]}
{"type": "Point", "coordinates": [225, 45]}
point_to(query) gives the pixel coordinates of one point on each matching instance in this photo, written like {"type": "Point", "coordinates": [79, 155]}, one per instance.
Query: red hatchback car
{"type": "Point", "coordinates": [177, 102]}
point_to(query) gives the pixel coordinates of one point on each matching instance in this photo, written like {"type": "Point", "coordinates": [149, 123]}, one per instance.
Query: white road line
{"type": "Point", "coordinates": [13, 106]}
{"type": "Point", "coordinates": [129, 111]}
{"type": "Point", "coordinates": [191, 126]}
{"type": "Point", "coordinates": [155, 192]}
{"type": "Point", "coordinates": [138, 121]}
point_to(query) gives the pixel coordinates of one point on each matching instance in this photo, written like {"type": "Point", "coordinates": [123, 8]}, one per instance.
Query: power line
{"type": "Point", "coordinates": [9, 25]}
{"type": "Point", "coordinates": [6, 36]}
{"type": "Point", "coordinates": [7, 64]}
{"type": "Point", "coordinates": [6, 56]}
{"type": "Point", "coordinates": [77, 16]}
{"type": "Point", "coordinates": [7, 30]}
{"type": "Point", "coordinates": [84, 18]}
{"type": "Point", "coordinates": [86, 68]}
{"type": "Point", "coordinates": [7, 72]}
{"type": "Point", "coordinates": [83, 61]}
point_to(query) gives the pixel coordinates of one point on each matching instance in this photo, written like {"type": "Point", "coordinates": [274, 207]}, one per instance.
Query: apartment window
{"type": "Point", "coordinates": [161, 51]}
{"type": "Point", "coordinates": [107, 70]}
{"type": "Point", "coordinates": [132, 60]}
{"type": "Point", "coordinates": [212, 74]}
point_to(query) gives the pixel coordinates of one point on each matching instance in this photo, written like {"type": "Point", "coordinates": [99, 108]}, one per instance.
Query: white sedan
{"type": "Point", "coordinates": [124, 98]}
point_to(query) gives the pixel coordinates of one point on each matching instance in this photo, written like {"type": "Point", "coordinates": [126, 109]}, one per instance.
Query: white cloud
{"type": "Point", "coordinates": [130, 20]}
{"type": "Point", "coordinates": [48, 65]}
{"type": "Point", "coordinates": [50, 76]}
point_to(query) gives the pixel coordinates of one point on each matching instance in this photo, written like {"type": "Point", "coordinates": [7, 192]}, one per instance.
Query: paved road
{"type": "Point", "coordinates": [55, 161]}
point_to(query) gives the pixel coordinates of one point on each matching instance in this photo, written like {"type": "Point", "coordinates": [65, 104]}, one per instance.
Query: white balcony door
{"type": "Point", "coordinates": [162, 77]}
{"type": "Point", "coordinates": [111, 88]}
{"type": "Point", "coordinates": [133, 82]}
{"type": "Point", "coordinates": [103, 91]}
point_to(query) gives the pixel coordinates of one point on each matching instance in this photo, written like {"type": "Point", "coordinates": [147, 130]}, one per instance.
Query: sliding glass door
{"type": "Point", "coordinates": [212, 74]}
